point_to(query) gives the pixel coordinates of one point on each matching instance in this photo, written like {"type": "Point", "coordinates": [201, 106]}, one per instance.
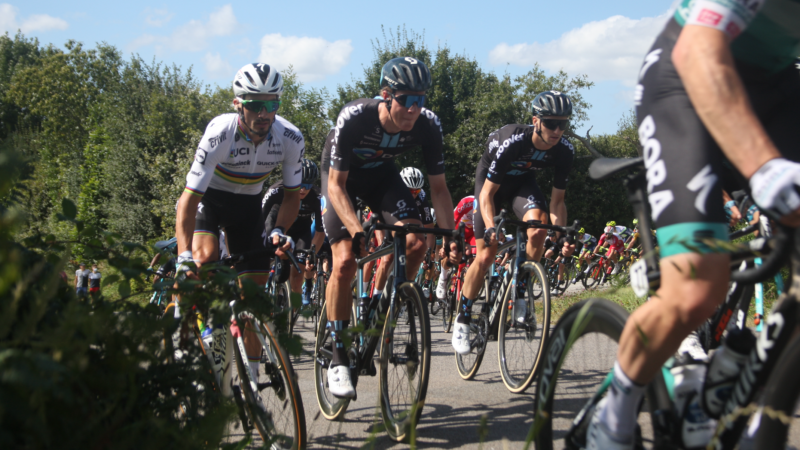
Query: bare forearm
{"type": "Point", "coordinates": [443, 202]}
{"type": "Point", "coordinates": [558, 214]}
{"type": "Point", "coordinates": [487, 210]}
{"type": "Point", "coordinates": [720, 100]}
{"type": "Point", "coordinates": [287, 213]}
{"type": "Point", "coordinates": [185, 221]}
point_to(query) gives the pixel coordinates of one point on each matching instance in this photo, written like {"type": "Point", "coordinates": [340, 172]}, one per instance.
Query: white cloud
{"type": "Point", "coordinates": [311, 58]}
{"type": "Point", "coordinates": [610, 49]}
{"type": "Point", "coordinates": [157, 17]}
{"type": "Point", "coordinates": [218, 67]}
{"type": "Point", "coordinates": [193, 36]}
{"type": "Point", "coordinates": [36, 22]}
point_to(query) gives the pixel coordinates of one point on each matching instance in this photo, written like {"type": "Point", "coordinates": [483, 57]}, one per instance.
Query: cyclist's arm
{"type": "Point", "coordinates": [558, 208]}
{"type": "Point", "coordinates": [486, 203]}
{"type": "Point", "coordinates": [440, 197]}
{"type": "Point", "coordinates": [290, 206]}
{"type": "Point", "coordinates": [318, 240]}
{"type": "Point", "coordinates": [703, 60]}
{"type": "Point", "coordinates": [430, 239]}
{"type": "Point", "coordinates": [184, 223]}
{"type": "Point", "coordinates": [341, 202]}
{"type": "Point", "coordinates": [155, 260]}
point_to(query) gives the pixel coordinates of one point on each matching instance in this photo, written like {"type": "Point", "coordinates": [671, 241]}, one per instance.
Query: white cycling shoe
{"type": "Point", "coordinates": [440, 291]}
{"type": "Point", "coordinates": [598, 437]}
{"type": "Point", "coordinates": [339, 382]}
{"type": "Point", "coordinates": [461, 338]}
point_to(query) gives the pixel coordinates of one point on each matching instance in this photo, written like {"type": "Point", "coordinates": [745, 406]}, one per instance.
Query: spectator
{"type": "Point", "coordinates": [94, 280]}
{"type": "Point", "coordinates": [81, 280]}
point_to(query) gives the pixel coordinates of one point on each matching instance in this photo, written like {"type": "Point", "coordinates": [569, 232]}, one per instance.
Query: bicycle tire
{"type": "Point", "coordinates": [436, 306]}
{"type": "Point", "coordinates": [592, 276]}
{"type": "Point", "coordinates": [469, 364]}
{"type": "Point", "coordinates": [319, 287]}
{"type": "Point", "coordinates": [282, 423]}
{"type": "Point", "coordinates": [332, 408]}
{"type": "Point", "coordinates": [514, 336]}
{"type": "Point", "coordinates": [404, 363]}
{"type": "Point", "coordinates": [603, 322]}
{"type": "Point", "coordinates": [780, 400]}
{"type": "Point", "coordinates": [448, 310]}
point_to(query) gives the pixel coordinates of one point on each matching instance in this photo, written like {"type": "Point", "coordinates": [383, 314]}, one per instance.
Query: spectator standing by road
{"type": "Point", "coordinates": [81, 280]}
{"type": "Point", "coordinates": [94, 280]}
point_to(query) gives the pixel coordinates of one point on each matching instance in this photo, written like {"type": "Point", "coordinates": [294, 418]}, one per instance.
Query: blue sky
{"type": "Point", "coordinates": [328, 42]}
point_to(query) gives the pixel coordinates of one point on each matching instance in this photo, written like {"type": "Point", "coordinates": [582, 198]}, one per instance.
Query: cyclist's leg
{"type": "Point", "coordinates": [530, 204]}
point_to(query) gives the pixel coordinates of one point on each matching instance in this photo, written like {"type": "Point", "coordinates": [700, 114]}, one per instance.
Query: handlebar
{"type": "Point", "coordinates": [570, 231]}
{"type": "Point", "coordinates": [269, 248]}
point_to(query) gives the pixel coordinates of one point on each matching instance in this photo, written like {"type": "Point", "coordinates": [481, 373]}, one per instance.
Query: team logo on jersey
{"type": "Point", "coordinates": [521, 164]}
{"type": "Point", "coordinates": [367, 153]}
{"type": "Point", "coordinates": [322, 204]}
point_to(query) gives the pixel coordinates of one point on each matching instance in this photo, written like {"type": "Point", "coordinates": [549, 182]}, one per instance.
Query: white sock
{"type": "Point", "coordinates": [254, 366]}
{"type": "Point", "coordinates": [619, 413]}
{"type": "Point", "coordinates": [375, 292]}
{"type": "Point", "coordinates": [443, 276]}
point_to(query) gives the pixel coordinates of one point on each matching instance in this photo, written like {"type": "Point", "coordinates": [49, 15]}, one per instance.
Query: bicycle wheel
{"type": "Point", "coordinates": [592, 276]}
{"type": "Point", "coordinates": [436, 306]}
{"type": "Point", "coordinates": [318, 301]}
{"type": "Point", "coordinates": [405, 361]}
{"type": "Point", "coordinates": [586, 358]}
{"type": "Point", "coordinates": [333, 408]}
{"type": "Point", "coordinates": [273, 402]}
{"type": "Point", "coordinates": [781, 402]}
{"type": "Point", "coordinates": [469, 364]}
{"type": "Point", "coordinates": [448, 309]}
{"type": "Point", "coordinates": [521, 339]}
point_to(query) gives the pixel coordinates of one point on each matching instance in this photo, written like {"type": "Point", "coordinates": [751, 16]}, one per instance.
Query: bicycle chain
{"type": "Point", "coordinates": [747, 411]}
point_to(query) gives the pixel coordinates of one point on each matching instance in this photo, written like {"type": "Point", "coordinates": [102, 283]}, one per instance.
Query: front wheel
{"type": "Point", "coordinates": [405, 361]}
{"type": "Point", "coordinates": [448, 310]}
{"type": "Point", "coordinates": [781, 401]}
{"type": "Point", "coordinates": [331, 407]}
{"type": "Point", "coordinates": [592, 276]}
{"type": "Point", "coordinates": [523, 328]}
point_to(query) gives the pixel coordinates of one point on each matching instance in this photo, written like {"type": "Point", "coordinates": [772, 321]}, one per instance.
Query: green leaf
{"type": "Point", "coordinates": [69, 209]}
{"type": "Point", "coordinates": [124, 288]}
{"type": "Point", "coordinates": [109, 280]}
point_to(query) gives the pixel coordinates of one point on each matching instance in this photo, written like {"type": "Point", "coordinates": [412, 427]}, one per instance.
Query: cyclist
{"type": "Point", "coordinates": [463, 213]}
{"type": "Point", "coordinates": [719, 82]}
{"type": "Point", "coordinates": [586, 243]}
{"type": "Point", "coordinates": [507, 173]}
{"type": "Point", "coordinates": [611, 241]}
{"type": "Point", "coordinates": [562, 248]}
{"type": "Point", "coordinates": [357, 161]}
{"type": "Point", "coordinates": [300, 231]}
{"type": "Point", "coordinates": [223, 187]}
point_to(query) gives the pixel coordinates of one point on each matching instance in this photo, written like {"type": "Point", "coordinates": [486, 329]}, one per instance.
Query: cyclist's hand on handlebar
{"type": "Point", "coordinates": [775, 188]}
{"type": "Point", "coordinates": [184, 265]}
{"type": "Point", "coordinates": [492, 237]}
{"type": "Point", "coordinates": [360, 245]}
{"type": "Point", "coordinates": [453, 255]}
{"type": "Point", "coordinates": [287, 246]}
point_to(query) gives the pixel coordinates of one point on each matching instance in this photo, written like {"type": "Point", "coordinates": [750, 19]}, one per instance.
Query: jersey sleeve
{"type": "Point", "coordinates": [213, 147]}
{"type": "Point", "coordinates": [562, 169]}
{"type": "Point", "coordinates": [601, 241]}
{"type": "Point", "coordinates": [345, 137]}
{"type": "Point", "coordinates": [502, 154]}
{"type": "Point", "coordinates": [433, 147]}
{"type": "Point", "coordinates": [292, 167]}
{"type": "Point", "coordinates": [729, 16]}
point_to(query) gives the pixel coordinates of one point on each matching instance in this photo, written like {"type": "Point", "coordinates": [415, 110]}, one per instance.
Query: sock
{"type": "Point", "coordinates": [623, 396]}
{"type": "Point", "coordinates": [466, 308]}
{"type": "Point", "coordinates": [443, 276]}
{"type": "Point", "coordinates": [339, 352]}
{"type": "Point", "coordinates": [307, 291]}
{"type": "Point", "coordinates": [375, 292]}
{"type": "Point", "coordinates": [365, 286]}
{"type": "Point", "coordinates": [254, 364]}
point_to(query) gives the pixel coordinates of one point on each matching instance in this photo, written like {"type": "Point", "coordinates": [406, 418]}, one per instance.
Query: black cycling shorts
{"type": "Point", "coordinates": [381, 188]}
{"type": "Point", "coordinates": [521, 192]}
{"type": "Point", "coordinates": [240, 216]}
{"type": "Point", "coordinates": [686, 169]}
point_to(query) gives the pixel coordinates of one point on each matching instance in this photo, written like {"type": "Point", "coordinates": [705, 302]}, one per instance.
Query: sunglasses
{"type": "Point", "coordinates": [415, 191]}
{"type": "Point", "coordinates": [257, 105]}
{"type": "Point", "coordinates": [408, 100]}
{"type": "Point", "coordinates": [307, 186]}
{"type": "Point", "coordinates": [552, 124]}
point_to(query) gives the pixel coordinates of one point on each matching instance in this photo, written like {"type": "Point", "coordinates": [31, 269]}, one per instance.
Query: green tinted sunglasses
{"type": "Point", "coordinates": [257, 105]}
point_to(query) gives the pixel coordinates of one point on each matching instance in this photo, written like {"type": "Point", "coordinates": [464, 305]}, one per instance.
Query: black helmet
{"type": "Point", "coordinates": [406, 74]}
{"type": "Point", "coordinates": [552, 103]}
{"type": "Point", "coordinates": [310, 171]}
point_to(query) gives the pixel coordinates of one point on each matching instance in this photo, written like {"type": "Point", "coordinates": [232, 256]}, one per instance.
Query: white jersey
{"type": "Point", "coordinates": [228, 161]}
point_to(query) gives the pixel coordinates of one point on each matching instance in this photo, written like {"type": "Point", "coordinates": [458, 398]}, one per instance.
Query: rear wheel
{"type": "Point", "coordinates": [592, 276]}
{"type": "Point", "coordinates": [469, 364]}
{"type": "Point", "coordinates": [522, 337]}
{"type": "Point", "coordinates": [331, 407]}
{"type": "Point", "coordinates": [450, 300]}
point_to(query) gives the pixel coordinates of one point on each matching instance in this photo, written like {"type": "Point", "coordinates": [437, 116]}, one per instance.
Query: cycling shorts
{"type": "Point", "coordinates": [521, 192]}
{"type": "Point", "coordinates": [589, 247]}
{"type": "Point", "coordinates": [381, 188]}
{"type": "Point", "coordinates": [685, 166]}
{"type": "Point", "coordinates": [612, 249]}
{"type": "Point", "coordinates": [240, 216]}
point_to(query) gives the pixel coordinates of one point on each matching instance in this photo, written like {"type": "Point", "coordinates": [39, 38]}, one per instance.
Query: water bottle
{"type": "Point", "coordinates": [724, 368]}
{"type": "Point", "coordinates": [697, 428]}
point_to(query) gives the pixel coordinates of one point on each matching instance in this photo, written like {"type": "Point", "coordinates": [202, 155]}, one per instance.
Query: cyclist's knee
{"type": "Point", "coordinates": [537, 235]}
{"type": "Point", "coordinates": [415, 247]}
{"type": "Point", "coordinates": [694, 285]}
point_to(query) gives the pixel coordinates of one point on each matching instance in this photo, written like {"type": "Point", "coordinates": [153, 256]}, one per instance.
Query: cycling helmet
{"type": "Point", "coordinates": [635, 221]}
{"type": "Point", "coordinates": [257, 78]}
{"type": "Point", "coordinates": [406, 74]}
{"type": "Point", "coordinates": [552, 103]}
{"type": "Point", "coordinates": [609, 229]}
{"type": "Point", "coordinates": [611, 223]}
{"type": "Point", "coordinates": [412, 177]}
{"type": "Point", "coordinates": [581, 231]}
{"type": "Point", "coordinates": [310, 171]}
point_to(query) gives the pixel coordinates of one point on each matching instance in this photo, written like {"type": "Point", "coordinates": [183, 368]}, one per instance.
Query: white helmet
{"type": "Point", "coordinates": [412, 177]}
{"type": "Point", "coordinates": [433, 215]}
{"type": "Point", "coordinates": [257, 78]}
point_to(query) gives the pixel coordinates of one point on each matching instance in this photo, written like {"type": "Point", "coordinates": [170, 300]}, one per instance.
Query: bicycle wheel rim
{"type": "Point", "coordinates": [281, 397]}
{"type": "Point", "coordinates": [469, 364]}
{"type": "Point", "coordinates": [332, 408]}
{"type": "Point", "coordinates": [781, 400]}
{"type": "Point", "coordinates": [520, 344]}
{"type": "Point", "coordinates": [404, 363]}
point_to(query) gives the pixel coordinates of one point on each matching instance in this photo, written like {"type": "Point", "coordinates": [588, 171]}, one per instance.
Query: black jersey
{"type": "Point", "coordinates": [359, 142]}
{"type": "Point", "coordinates": [310, 207]}
{"type": "Point", "coordinates": [510, 152]}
